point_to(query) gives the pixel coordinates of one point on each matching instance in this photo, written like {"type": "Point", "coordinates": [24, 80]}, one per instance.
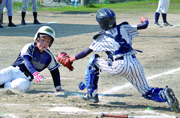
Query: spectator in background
{"type": "Point", "coordinates": [0, 13]}
{"type": "Point", "coordinates": [25, 4]}
{"type": "Point", "coordinates": [163, 7]}
{"type": "Point", "coordinates": [9, 6]}
{"type": "Point", "coordinates": [74, 3]}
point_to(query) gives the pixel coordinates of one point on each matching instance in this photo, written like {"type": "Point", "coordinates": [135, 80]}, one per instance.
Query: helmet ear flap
{"type": "Point", "coordinates": [111, 22]}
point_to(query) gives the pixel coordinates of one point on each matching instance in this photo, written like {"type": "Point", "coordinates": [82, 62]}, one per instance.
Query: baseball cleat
{"type": "Point", "coordinates": [36, 22]}
{"type": "Point", "coordinates": [167, 24]}
{"type": "Point", "coordinates": [23, 23]}
{"type": "Point", "coordinates": [1, 26]}
{"type": "Point", "coordinates": [172, 100]}
{"type": "Point", "coordinates": [89, 97]}
{"type": "Point", "coordinates": [11, 25]}
{"type": "Point", "coordinates": [157, 25]}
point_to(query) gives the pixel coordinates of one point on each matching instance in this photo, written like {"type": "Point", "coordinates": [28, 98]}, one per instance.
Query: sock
{"type": "Point", "coordinates": [10, 19]}
{"type": "Point", "coordinates": [76, 3]}
{"type": "Point", "coordinates": [157, 17]}
{"type": "Point", "coordinates": [164, 17]}
{"type": "Point", "coordinates": [35, 16]}
{"type": "Point", "coordinates": [23, 14]}
{"type": "Point", "coordinates": [72, 2]}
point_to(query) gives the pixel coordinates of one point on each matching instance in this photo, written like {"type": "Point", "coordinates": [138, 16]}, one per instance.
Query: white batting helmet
{"type": "Point", "coordinates": [45, 30]}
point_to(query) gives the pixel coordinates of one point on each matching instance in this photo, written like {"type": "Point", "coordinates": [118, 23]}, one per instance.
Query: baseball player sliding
{"type": "Point", "coordinates": [116, 41]}
{"type": "Point", "coordinates": [33, 58]}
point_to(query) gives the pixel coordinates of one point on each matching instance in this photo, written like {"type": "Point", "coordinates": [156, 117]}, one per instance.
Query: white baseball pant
{"type": "Point", "coordinates": [163, 6]}
{"type": "Point", "coordinates": [13, 78]}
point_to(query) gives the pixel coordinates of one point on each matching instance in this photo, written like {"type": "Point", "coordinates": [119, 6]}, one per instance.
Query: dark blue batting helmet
{"type": "Point", "coordinates": [106, 18]}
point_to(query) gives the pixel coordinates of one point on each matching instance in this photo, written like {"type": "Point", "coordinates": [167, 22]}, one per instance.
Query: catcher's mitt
{"type": "Point", "coordinates": [63, 58]}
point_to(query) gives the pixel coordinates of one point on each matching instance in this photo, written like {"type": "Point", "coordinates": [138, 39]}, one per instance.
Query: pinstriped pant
{"type": "Point", "coordinates": [130, 68]}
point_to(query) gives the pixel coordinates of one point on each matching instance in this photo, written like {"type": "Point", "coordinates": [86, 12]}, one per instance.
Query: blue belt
{"type": "Point", "coordinates": [122, 58]}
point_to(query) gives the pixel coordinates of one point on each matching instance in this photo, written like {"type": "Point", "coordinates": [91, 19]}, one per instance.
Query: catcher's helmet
{"type": "Point", "coordinates": [106, 18]}
{"type": "Point", "coordinates": [46, 30]}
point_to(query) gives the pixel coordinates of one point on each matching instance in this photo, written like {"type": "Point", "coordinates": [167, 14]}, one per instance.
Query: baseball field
{"type": "Point", "coordinates": [74, 32]}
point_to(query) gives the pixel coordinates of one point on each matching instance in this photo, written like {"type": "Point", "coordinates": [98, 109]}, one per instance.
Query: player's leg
{"type": "Point", "coordinates": [138, 80]}
{"type": "Point", "coordinates": [76, 3]}
{"type": "Point", "coordinates": [72, 2]}
{"type": "Point", "coordinates": [164, 13]}
{"type": "Point", "coordinates": [91, 81]}
{"type": "Point", "coordinates": [25, 5]}
{"type": "Point", "coordinates": [0, 12]}
{"type": "Point", "coordinates": [8, 74]}
{"type": "Point", "coordinates": [9, 6]}
{"type": "Point", "coordinates": [97, 63]}
{"type": "Point", "coordinates": [20, 84]}
{"type": "Point", "coordinates": [35, 7]}
{"type": "Point", "coordinates": [158, 11]}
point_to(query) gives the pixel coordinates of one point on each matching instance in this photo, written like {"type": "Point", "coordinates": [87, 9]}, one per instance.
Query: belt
{"type": "Point", "coordinates": [27, 75]}
{"type": "Point", "coordinates": [122, 58]}
{"type": "Point", "coordinates": [22, 70]}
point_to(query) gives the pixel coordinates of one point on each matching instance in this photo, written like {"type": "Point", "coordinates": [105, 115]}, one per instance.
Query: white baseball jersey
{"type": "Point", "coordinates": [163, 6]}
{"type": "Point", "coordinates": [128, 67]}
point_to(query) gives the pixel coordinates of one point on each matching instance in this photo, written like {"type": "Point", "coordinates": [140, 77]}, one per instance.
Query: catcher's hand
{"type": "Point", "coordinates": [63, 58]}
{"type": "Point", "coordinates": [143, 19]}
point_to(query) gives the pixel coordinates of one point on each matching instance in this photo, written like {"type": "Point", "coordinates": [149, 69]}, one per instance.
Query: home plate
{"type": "Point", "coordinates": [67, 109]}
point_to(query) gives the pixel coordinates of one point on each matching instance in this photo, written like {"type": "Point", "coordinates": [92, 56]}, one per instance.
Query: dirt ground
{"type": "Point", "coordinates": [74, 32]}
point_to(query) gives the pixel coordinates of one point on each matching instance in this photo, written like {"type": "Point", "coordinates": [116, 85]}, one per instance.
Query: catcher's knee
{"type": "Point", "coordinates": [155, 94]}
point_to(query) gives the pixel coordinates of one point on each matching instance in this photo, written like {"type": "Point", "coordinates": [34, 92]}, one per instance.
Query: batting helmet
{"type": "Point", "coordinates": [106, 18]}
{"type": "Point", "coordinates": [45, 30]}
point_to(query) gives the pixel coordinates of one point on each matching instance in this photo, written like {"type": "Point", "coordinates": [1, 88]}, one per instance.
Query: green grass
{"type": "Point", "coordinates": [134, 6]}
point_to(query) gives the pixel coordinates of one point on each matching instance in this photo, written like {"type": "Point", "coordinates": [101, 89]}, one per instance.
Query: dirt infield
{"type": "Point", "coordinates": [74, 31]}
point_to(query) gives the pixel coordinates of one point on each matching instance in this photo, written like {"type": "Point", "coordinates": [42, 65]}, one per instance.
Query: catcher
{"type": "Point", "coordinates": [33, 58]}
{"type": "Point", "coordinates": [116, 41]}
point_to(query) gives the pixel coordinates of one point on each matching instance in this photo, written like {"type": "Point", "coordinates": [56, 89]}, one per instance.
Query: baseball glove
{"type": "Point", "coordinates": [63, 58]}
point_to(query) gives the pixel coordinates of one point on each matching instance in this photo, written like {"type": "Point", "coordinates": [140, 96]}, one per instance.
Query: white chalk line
{"type": "Point", "coordinates": [61, 78]}
{"type": "Point", "coordinates": [115, 89]}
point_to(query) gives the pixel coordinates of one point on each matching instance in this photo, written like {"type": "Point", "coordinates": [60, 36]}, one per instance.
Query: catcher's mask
{"type": "Point", "coordinates": [106, 18]}
{"type": "Point", "coordinates": [47, 31]}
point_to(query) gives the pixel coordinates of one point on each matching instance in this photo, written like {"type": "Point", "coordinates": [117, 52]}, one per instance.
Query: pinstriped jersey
{"type": "Point", "coordinates": [105, 43]}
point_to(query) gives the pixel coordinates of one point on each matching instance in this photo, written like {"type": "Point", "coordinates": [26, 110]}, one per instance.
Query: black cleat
{"type": "Point", "coordinates": [172, 100]}
{"type": "Point", "coordinates": [1, 26]}
{"type": "Point", "coordinates": [23, 23]}
{"type": "Point", "coordinates": [90, 97]}
{"type": "Point", "coordinates": [11, 25]}
{"type": "Point", "coordinates": [36, 22]}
